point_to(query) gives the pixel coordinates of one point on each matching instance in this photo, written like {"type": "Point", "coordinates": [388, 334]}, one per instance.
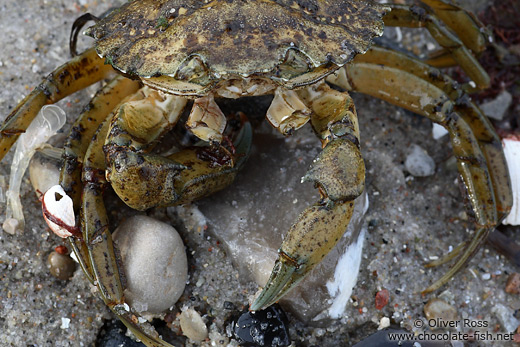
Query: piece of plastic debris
{"type": "Point", "coordinates": [512, 153]}
{"type": "Point", "coordinates": [49, 120]}
{"type": "Point", "coordinates": [58, 212]}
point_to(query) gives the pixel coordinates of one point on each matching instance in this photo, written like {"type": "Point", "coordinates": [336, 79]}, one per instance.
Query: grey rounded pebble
{"type": "Point", "coordinates": [497, 107]}
{"type": "Point", "coordinates": [154, 262]}
{"type": "Point", "coordinates": [418, 163]}
{"type": "Point", "coordinates": [61, 266]}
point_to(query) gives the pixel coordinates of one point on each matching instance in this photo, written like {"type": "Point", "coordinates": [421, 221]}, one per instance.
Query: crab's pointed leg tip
{"type": "Point", "coordinates": [281, 280]}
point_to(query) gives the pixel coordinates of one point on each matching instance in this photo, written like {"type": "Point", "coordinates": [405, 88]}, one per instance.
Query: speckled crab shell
{"type": "Point", "coordinates": [187, 46]}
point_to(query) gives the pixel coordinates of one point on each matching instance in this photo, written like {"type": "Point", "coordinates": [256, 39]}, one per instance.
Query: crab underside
{"type": "Point", "coordinates": [113, 139]}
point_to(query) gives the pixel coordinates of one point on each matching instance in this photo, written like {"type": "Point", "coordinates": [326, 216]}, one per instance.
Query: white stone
{"type": "Point", "coordinates": [154, 262]}
{"type": "Point", "coordinates": [192, 325]}
{"type": "Point", "coordinates": [418, 163]}
{"type": "Point", "coordinates": [384, 323]}
{"type": "Point", "coordinates": [65, 323]}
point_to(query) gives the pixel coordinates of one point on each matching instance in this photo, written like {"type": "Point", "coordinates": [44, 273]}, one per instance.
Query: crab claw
{"type": "Point", "coordinates": [339, 173]}
{"type": "Point", "coordinates": [58, 212]}
{"type": "Point", "coordinates": [313, 235]}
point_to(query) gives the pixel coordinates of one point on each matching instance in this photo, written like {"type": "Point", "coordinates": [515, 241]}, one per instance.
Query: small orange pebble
{"type": "Point", "coordinates": [382, 298]}
{"type": "Point", "coordinates": [61, 250]}
{"type": "Point", "coordinates": [513, 284]}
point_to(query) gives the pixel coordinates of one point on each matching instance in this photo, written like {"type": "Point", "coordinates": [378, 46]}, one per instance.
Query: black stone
{"type": "Point", "coordinates": [267, 327]}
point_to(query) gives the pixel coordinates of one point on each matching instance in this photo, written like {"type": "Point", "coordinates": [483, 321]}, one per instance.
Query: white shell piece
{"type": "Point", "coordinates": [346, 273]}
{"type": "Point", "coordinates": [512, 153]}
{"type": "Point", "coordinates": [60, 205]}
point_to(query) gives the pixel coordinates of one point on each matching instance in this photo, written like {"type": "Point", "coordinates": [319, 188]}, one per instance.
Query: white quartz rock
{"type": "Point", "coordinates": [154, 262]}
{"type": "Point", "coordinates": [251, 217]}
{"type": "Point", "coordinates": [192, 325]}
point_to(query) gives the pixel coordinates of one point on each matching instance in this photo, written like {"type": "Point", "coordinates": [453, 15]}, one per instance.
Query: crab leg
{"type": "Point", "coordinates": [94, 220]}
{"type": "Point", "coordinates": [488, 140]}
{"type": "Point", "coordinates": [101, 105]}
{"type": "Point", "coordinates": [388, 83]}
{"type": "Point", "coordinates": [76, 145]}
{"type": "Point", "coordinates": [98, 239]}
{"type": "Point", "coordinates": [80, 72]}
{"type": "Point", "coordinates": [462, 22]}
{"type": "Point", "coordinates": [339, 173]}
{"type": "Point", "coordinates": [415, 17]}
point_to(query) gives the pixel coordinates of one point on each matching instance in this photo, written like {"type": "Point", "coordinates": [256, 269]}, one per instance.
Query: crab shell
{"type": "Point", "coordinates": [187, 47]}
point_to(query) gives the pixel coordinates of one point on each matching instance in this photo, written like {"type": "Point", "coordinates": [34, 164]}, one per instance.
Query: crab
{"type": "Point", "coordinates": [308, 55]}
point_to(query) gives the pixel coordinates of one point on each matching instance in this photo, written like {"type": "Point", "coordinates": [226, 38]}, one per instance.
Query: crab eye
{"type": "Point", "coordinates": [295, 64]}
{"type": "Point", "coordinates": [193, 70]}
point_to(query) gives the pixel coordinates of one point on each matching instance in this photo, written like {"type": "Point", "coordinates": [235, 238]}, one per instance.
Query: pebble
{"type": "Point", "coordinates": [44, 172]}
{"type": "Point", "coordinates": [154, 261]}
{"type": "Point", "coordinates": [439, 309]}
{"type": "Point", "coordinates": [113, 335]}
{"type": "Point", "coordinates": [513, 283]}
{"type": "Point", "coordinates": [384, 323]}
{"type": "Point", "coordinates": [61, 265]}
{"type": "Point", "coordinates": [497, 107]}
{"type": "Point", "coordinates": [192, 325]}
{"type": "Point", "coordinates": [266, 327]}
{"type": "Point", "coordinates": [11, 226]}
{"type": "Point", "coordinates": [506, 317]}
{"type": "Point", "coordinates": [418, 163]}
{"type": "Point", "coordinates": [382, 298]}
